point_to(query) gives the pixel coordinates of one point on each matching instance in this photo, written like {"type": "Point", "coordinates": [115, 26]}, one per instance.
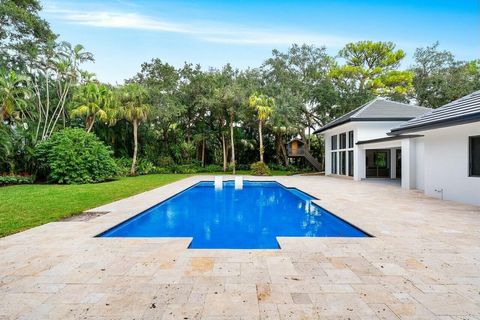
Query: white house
{"type": "Point", "coordinates": [437, 151]}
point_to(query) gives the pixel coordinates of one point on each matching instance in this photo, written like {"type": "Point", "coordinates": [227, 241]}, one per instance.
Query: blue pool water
{"type": "Point", "coordinates": [250, 218]}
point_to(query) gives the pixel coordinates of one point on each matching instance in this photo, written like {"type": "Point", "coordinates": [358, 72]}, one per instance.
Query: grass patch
{"type": "Point", "coordinates": [27, 206]}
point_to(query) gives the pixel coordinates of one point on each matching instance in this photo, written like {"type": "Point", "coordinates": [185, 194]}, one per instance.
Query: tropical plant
{"type": "Point", "coordinates": [264, 106]}
{"type": "Point", "coordinates": [260, 169]}
{"type": "Point", "coordinates": [54, 72]}
{"type": "Point", "coordinates": [72, 156]}
{"type": "Point", "coordinates": [94, 101]}
{"type": "Point", "coordinates": [14, 95]}
{"type": "Point", "coordinates": [135, 110]}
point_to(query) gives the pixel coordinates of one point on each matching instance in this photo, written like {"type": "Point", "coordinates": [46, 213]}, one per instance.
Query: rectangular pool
{"type": "Point", "coordinates": [248, 218]}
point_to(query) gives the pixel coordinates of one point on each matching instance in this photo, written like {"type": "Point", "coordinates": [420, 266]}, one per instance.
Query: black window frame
{"type": "Point", "coordinates": [342, 163]}
{"type": "Point", "coordinates": [334, 142]}
{"type": "Point", "coordinates": [350, 139]}
{"type": "Point", "coordinates": [471, 157]}
{"type": "Point", "coordinates": [334, 162]}
{"type": "Point", "coordinates": [350, 163]}
{"type": "Point", "coordinates": [342, 141]}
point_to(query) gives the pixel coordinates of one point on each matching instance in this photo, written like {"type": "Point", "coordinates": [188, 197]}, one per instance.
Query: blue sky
{"type": "Point", "coordinates": [122, 34]}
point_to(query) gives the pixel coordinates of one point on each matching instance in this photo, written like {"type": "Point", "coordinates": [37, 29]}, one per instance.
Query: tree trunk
{"type": "Point", "coordinates": [284, 153]}
{"type": "Point", "coordinates": [224, 147]}
{"type": "Point", "coordinates": [233, 144]}
{"type": "Point", "coordinates": [203, 152]}
{"type": "Point", "coordinates": [90, 121]}
{"type": "Point", "coordinates": [261, 139]}
{"type": "Point", "coordinates": [135, 147]}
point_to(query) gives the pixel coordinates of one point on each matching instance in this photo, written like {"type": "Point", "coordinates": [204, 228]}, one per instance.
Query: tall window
{"type": "Point", "coordinates": [350, 139]}
{"type": "Point", "coordinates": [350, 163]}
{"type": "Point", "coordinates": [474, 155]}
{"type": "Point", "coordinates": [343, 163]}
{"type": "Point", "coordinates": [334, 163]}
{"type": "Point", "coordinates": [343, 140]}
{"type": "Point", "coordinates": [334, 142]}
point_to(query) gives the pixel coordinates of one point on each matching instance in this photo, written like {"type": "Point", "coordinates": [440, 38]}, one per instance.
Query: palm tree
{"type": "Point", "coordinates": [95, 101]}
{"type": "Point", "coordinates": [264, 106]}
{"type": "Point", "coordinates": [14, 94]}
{"type": "Point", "coordinates": [135, 110]}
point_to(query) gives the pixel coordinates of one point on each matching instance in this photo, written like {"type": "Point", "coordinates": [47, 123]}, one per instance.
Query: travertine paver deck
{"type": "Point", "coordinates": [423, 263]}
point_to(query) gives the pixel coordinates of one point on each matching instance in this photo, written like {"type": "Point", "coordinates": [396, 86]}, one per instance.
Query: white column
{"type": "Point", "coordinates": [408, 164]}
{"type": "Point", "coordinates": [328, 155]}
{"type": "Point", "coordinates": [393, 163]}
{"type": "Point", "coordinates": [359, 171]}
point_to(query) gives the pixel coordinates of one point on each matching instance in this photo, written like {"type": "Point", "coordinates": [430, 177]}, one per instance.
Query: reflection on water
{"type": "Point", "coordinates": [236, 218]}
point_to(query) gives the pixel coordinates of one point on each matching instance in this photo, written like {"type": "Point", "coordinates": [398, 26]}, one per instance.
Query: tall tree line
{"type": "Point", "coordinates": [190, 114]}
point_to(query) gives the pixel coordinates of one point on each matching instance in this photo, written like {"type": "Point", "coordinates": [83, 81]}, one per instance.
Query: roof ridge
{"type": "Point", "coordinates": [408, 104]}
{"type": "Point", "coordinates": [364, 107]}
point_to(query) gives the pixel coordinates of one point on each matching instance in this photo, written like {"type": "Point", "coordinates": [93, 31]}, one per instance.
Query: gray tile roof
{"type": "Point", "coordinates": [463, 110]}
{"type": "Point", "coordinates": [379, 109]}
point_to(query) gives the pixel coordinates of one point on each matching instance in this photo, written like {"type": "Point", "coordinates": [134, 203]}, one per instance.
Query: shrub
{"type": "Point", "coordinates": [211, 168]}
{"type": "Point", "coordinates": [124, 165]}
{"type": "Point", "coordinates": [187, 168]}
{"type": "Point", "coordinates": [75, 156]}
{"type": "Point", "coordinates": [165, 161]}
{"type": "Point", "coordinates": [260, 169]}
{"type": "Point", "coordinates": [15, 179]}
{"type": "Point", "coordinates": [145, 167]}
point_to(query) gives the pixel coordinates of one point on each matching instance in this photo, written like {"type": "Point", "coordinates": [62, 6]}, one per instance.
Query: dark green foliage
{"type": "Point", "coordinates": [15, 179]}
{"type": "Point", "coordinates": [260, 169]}
{"type": "Point", "coordinates": [145, 167]}
{"type": "Point", "coordinates": [22, 30]}
{"type": "Point", "coordinates": [439, 78]}
{"type": "Point", "coordinates": [74, 156]}
{"type": "Point", "coordinates": [165, 161]}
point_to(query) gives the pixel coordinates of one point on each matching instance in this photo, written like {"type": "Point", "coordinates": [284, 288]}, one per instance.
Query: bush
{"type": "Point", "coordinates": [186, 168]}
{"type": "Point", "coordinates": [75, 156]}
{"type": "Point", "coordinates": [145, 167]}
{"type": "Point", "coordinates": [211, 168]}
{"type": "Point", "coordinates": [15, 179]}
{"type": "Point", "coordinates": [124, 165]}
{"type": "Point", "coordinates": [260, 169]}
{"type": "Point", "coordinates": [165, 161]}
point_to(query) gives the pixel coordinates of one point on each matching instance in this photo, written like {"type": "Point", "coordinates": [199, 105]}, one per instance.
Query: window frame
{"type": "Point", "coordinates": [334, 163]}
{"type": "Point", "coordinates": [351, 138]}
{"type": "Point", "coordinates": [334, 146]}
{"type": "Point", "coordinates": [342, 141]}
{"type": "Point", "coordinates": [470, 157]}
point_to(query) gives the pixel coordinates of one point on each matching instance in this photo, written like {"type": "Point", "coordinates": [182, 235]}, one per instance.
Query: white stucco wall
{"type": "Point", "coordinates": [419, 164]}
{"type": "Point", "coordinates": [446, 164]}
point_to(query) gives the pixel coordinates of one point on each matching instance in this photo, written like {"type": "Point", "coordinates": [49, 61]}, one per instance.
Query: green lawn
{"type": "Point", "coordinates": [27, 206]}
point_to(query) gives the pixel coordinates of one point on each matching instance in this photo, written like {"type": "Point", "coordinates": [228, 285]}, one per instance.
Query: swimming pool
{"type": "Point", "coordinates": [230, 218]}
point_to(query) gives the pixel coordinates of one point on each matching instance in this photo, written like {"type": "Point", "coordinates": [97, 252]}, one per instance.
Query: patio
{"type": "Point", "coordinates": [423, 263]}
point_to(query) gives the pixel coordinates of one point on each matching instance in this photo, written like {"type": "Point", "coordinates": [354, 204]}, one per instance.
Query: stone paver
{"type": "Point", "coordinates": [422, 263]}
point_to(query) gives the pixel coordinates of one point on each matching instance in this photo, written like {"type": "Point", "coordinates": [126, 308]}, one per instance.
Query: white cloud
{"type": "Point", "coordinates": [207, 31]}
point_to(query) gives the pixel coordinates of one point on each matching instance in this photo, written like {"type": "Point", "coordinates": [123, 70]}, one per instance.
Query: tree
{"type": "Point", "coordinates": [94, 101]}
{"type": "Point", "coordinates": [135, 110]}
{"type": "Point", "coordinates": [371, 69]}
{"type": "Point", "coordinates": [264, 106]}
{"type": "Point", "coordinates": [53, 73]}
{"type": "Point", "coordinates": [14, 94]}
{"type": "Point", "coordinates": [439, 78]}
{"type": "Point", "coordinates": [299, 80]}
{"type": "Point", "coordinates": [22, 31]}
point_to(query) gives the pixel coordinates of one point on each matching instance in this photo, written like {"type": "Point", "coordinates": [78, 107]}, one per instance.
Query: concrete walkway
{"type": "Point", "coordinates": [424, 263]}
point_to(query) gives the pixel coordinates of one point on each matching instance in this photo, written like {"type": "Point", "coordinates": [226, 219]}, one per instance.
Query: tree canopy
{"type": "Point", "coordinates": [188, 115]}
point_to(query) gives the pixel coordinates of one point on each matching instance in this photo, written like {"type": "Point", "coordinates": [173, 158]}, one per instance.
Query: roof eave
{"type": "Point", "coordinates": [362, 120]}
{"type": "Point", "coordinates": [437, 124]}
